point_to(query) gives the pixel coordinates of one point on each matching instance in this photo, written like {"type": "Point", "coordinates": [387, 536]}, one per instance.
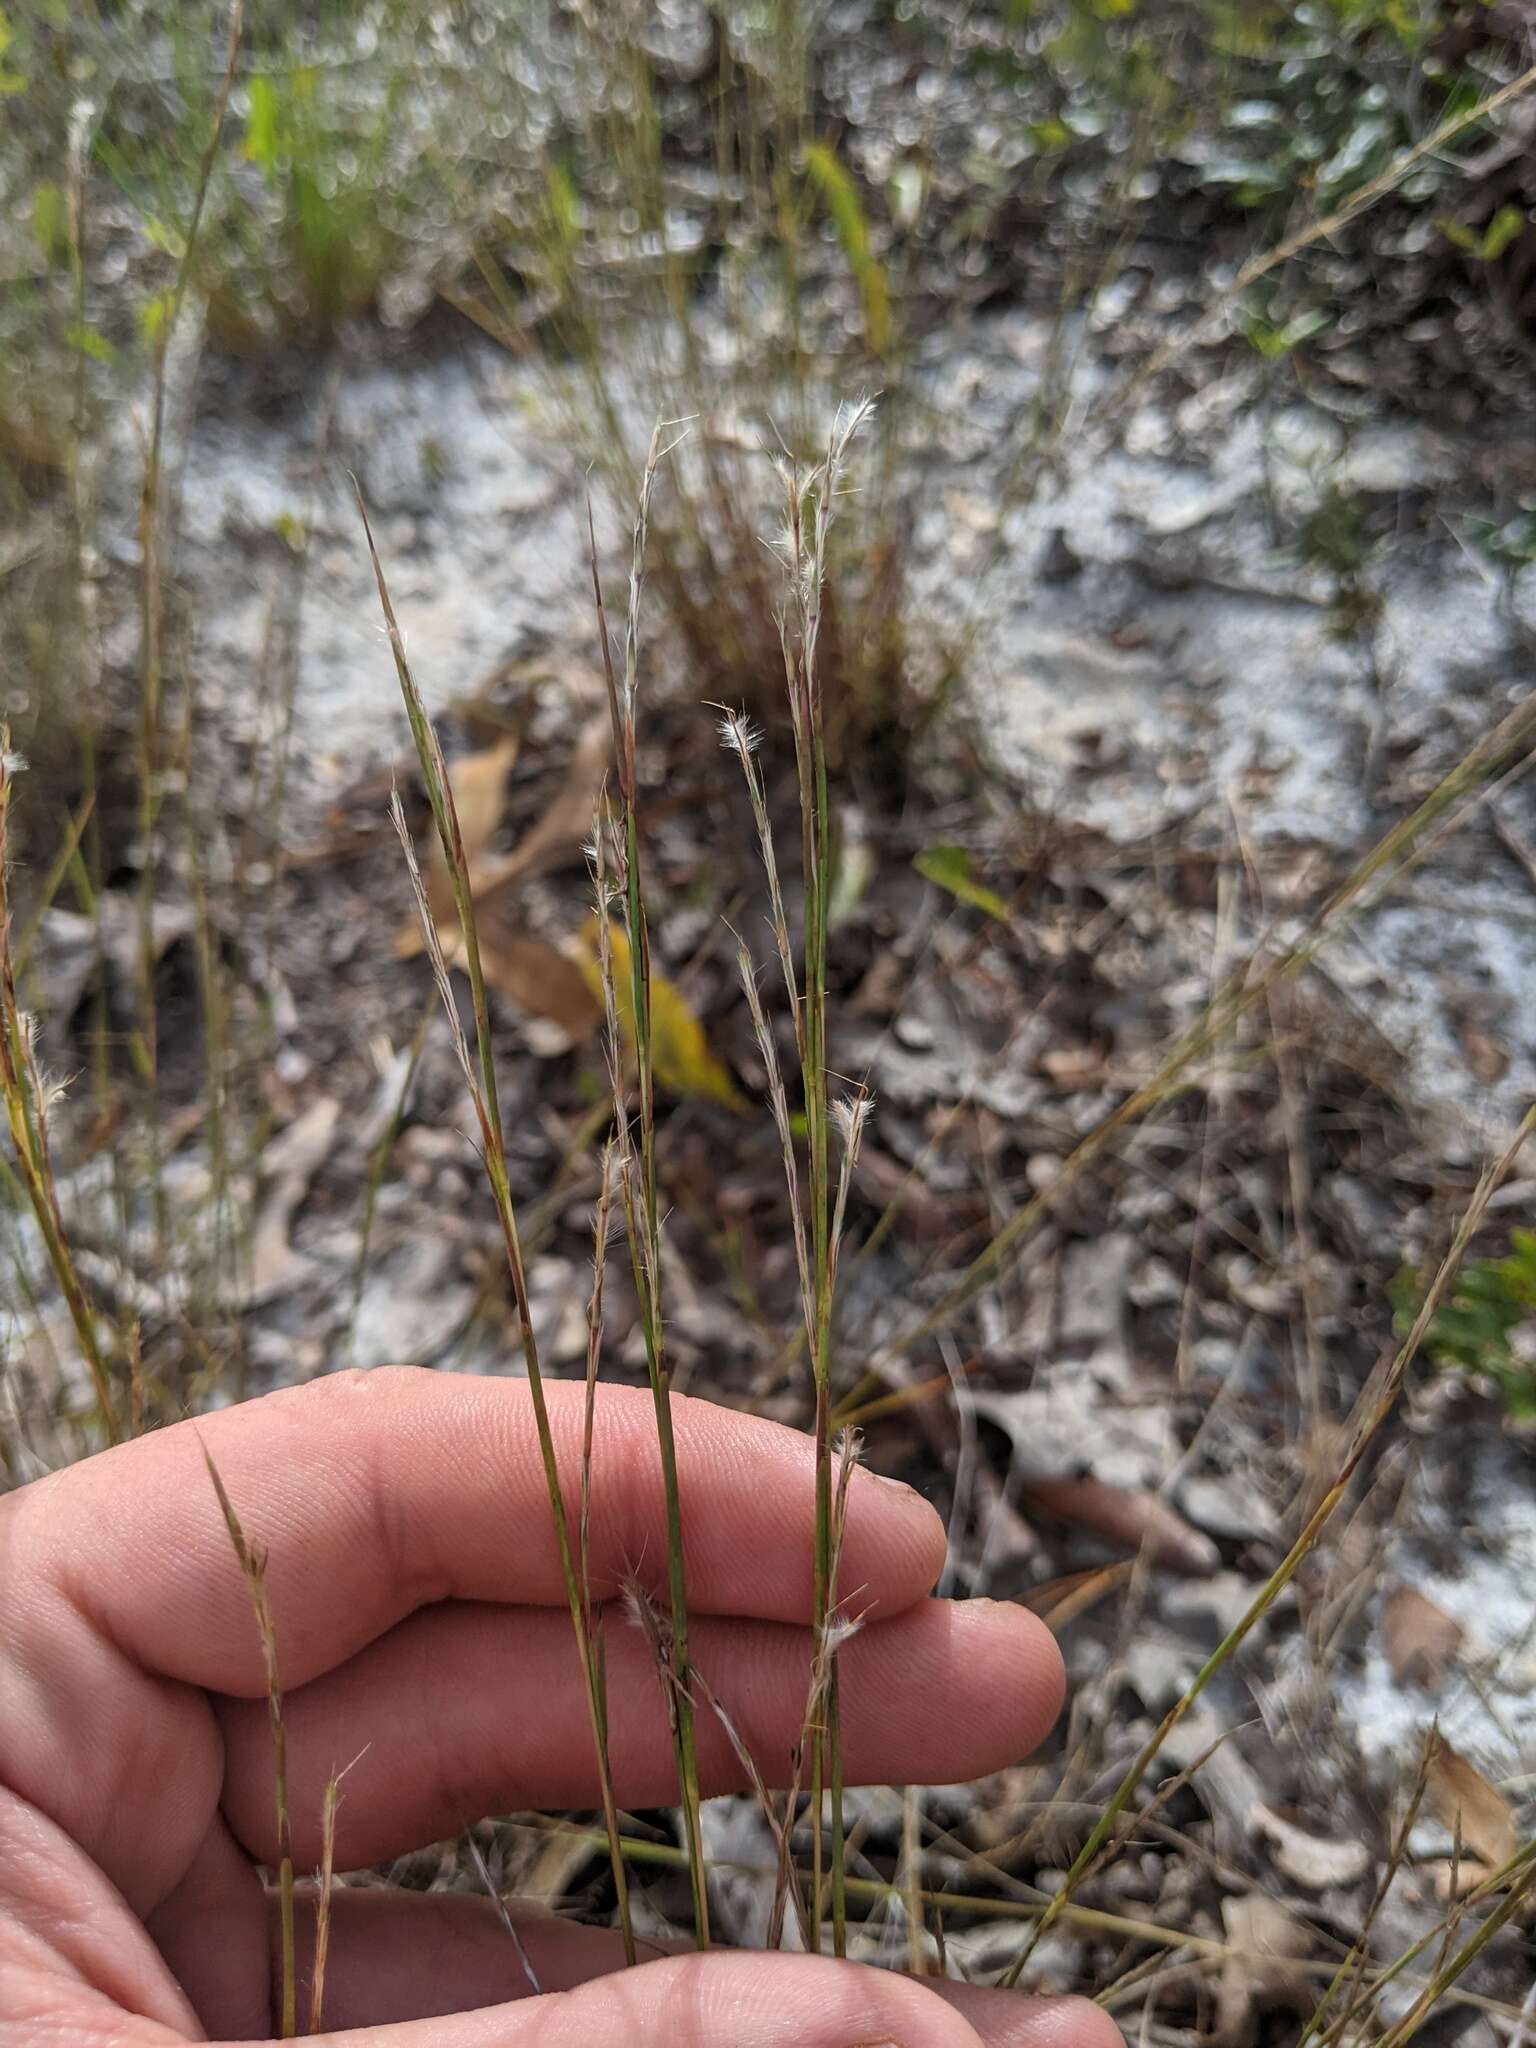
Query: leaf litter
{"type": "Point", "coordinates": [1135, 1388]}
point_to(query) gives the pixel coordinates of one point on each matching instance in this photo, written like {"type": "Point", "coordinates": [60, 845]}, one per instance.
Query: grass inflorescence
{"type": "Point", "coordinates": [636, 1165]}
{"type": "Point", "coordinates": [479, 1071]}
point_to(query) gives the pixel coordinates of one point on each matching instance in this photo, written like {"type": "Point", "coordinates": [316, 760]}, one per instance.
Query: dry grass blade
{"type": "Point", "coordinates": [26, 1110]}
{"type": "Point", "coordinates": [1376, 1406]}
{"type": "Point", "coordinates": [652, 1625]}
{"type": "Point", "coordinates": [1520, 1874]}
{"type": "Point", "coordinates": [324, 1890]}
{"type": "Point", "coordinates": [254, 1570]}
{"type": "Point", "coordinates": [480, 1078]}
{"type": "Point", "coordinates": [1352, 1969]}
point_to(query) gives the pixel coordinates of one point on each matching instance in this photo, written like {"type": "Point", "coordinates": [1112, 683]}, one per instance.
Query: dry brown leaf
{"type": "Point", "coordinates": [566, 821]}
{"type": "Point", "coordinates": [479, 786]}
{"type": "Point", "coordinates": [1074, 1066]}
{"type": "Point", "coordinates": [563, 825]}
{"type": "Point", "coordinates": [1465, 1800]}
{"type": "Point", "coordinates": [1134, 1520]}
{"type": "Point", "coordinates": [538, 978]}
{"type": "Point", "coordinates": [1420, 1638]}
{"type": "Point", "coordinates": [1263, 1973]}
{"type": "Point", "coordinates": [1487, 1060]}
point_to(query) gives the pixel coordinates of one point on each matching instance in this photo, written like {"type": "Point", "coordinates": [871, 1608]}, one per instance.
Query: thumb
{"type": "Point", "coordinates": [721, 1999]}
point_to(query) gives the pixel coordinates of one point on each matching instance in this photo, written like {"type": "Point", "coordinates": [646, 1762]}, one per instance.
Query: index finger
{"type": "Point", "coordinates": [375, 1493]}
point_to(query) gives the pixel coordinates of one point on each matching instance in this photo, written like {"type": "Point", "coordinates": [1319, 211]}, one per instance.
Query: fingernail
{"type": "Point", "coordinates": [895, 1485]}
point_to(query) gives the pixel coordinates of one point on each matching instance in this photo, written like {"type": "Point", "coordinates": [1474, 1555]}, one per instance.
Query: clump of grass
{"type": "Point", "coordinates": [253, 1566]}
{"type": "Point", "coordinates": [637, 1180]}
{"type": "Point", "coordinates": [480, 1078]}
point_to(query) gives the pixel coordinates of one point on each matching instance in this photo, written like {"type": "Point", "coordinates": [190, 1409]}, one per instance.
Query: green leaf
{"type": "Point", "coordinates": [1500, 232]}
{"type": "Point", "coordinates": [846, 210]}
{"type": "Point", "coordinates": [163, 236]}
{"type": "Point", "coordinates": [50, 222]}
{"type": "Point", "coordinates": [263, 143]}
{"type": "Point", "coordinates": [950, 868]}
{"type": "Point", "coordinates": [91, 344]}
{"type": "Point", "coordinates": [153, 315]}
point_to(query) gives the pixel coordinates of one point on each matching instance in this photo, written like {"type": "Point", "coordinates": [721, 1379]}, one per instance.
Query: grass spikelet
{"type": "Point", "coordinates": [479, 1070]}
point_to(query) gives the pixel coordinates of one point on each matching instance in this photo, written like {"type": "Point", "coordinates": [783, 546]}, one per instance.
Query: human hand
{"type": "Point", "coordinates": [421, 1620]}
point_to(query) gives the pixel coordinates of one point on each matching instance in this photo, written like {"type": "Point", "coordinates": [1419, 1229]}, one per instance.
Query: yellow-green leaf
{"type": "Point", "coordinates": [153, 315]}
{"type": "Point", "coordinates": [950, 868]}
{"type": "Point", "coordinates": [680, 1053]}
{"type": "Point", "coordinates": [91, 344]}
{"type": "Point", "coordinates": [848, 218]}
{"type": "Point", "coordinates": [50, 222]}
{"type": "Point", "coordinates": [1500, 232]}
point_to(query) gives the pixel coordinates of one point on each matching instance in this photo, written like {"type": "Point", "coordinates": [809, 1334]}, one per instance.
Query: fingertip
{"type": "Point", "coordinates": [1018, 1679]}
{"type": "Point", "coordinates": [1055, 2023]}
{"type": "Point", "coordinates": [1011, 2019]}
{"type": "Point", "coordinates": [895, 1539]}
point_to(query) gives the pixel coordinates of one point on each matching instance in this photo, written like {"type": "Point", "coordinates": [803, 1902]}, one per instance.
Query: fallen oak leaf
{"type": "Point", "coordinates": [566, 820]}
{"type": "Point", "coordinates": [479, 786]}
{"type": "Point", "coordinates": [538, 977]}
{"type": "Point", "coordinates": [560, 828]}
{"type": "Point", "coordinates": [1470, 1806]}
{"type": "Point", "coordinates": [1419, 1638]}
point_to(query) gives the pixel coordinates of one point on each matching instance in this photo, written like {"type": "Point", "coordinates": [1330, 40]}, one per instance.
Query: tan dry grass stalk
{"type": "Point", "coordinates": [810, 498]}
